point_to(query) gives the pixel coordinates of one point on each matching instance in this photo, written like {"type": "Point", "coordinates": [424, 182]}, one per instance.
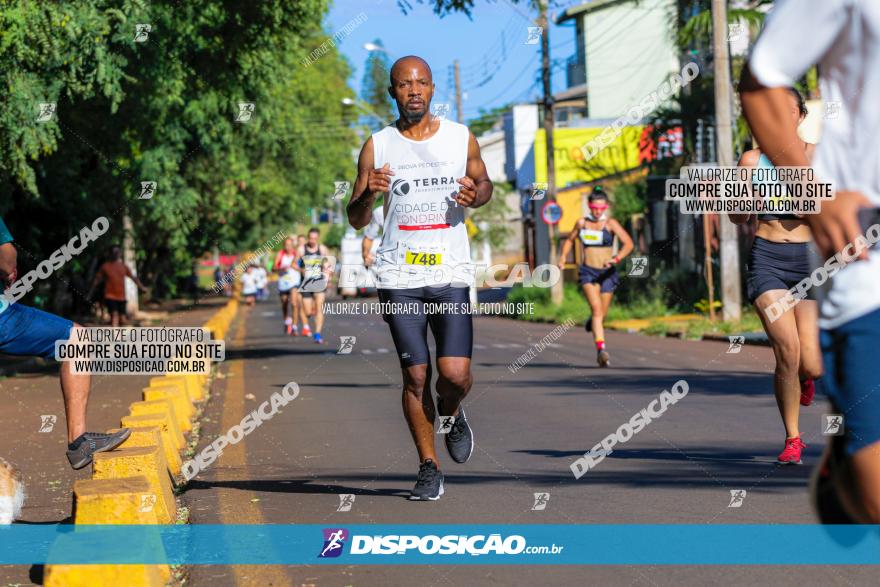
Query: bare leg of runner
{"type": "Point", "coordinates": [418, 408]}
{"type": "Point", "coordinates": [296, 300]}
{"type": "Point", "coordinates": [454, 382]}
{"type": "Point", "coordinates": [594, 298]}
{"type": "Point", "coordinates": [319, 312]}
{"type": "Point", "coordinates": [75, 388]}
{"type": "Point", "coordinates": [606, 303]}
{"type": "Point", "coordinates": [806, 314]}
{"type": "Point", "coordinates": [285, 306]}
{"type": "Point", "coordinates": [308, 308]}
{"type": "Point", "coordinates": [784, 339]}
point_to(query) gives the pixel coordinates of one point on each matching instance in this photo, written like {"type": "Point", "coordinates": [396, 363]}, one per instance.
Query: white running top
{"type": "Point", "coordinates": [376, 221]}
{"type": "Point", "coordinates": [425, 240]}
{"type": "Point", "coordinates": [289, 277]}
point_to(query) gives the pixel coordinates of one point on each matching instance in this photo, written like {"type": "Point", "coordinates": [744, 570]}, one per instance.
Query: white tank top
{"type": "Point", "coordinates": [289, 277]}
{"type": "Point", "coordinates": [425, 240]}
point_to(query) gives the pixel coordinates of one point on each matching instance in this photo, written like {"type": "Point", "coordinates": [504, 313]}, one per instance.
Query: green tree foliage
{"type": "Point", "coordinates": [444, 7]}
{"type": "Point", "coordinates": [165, 110]}
{"type": "Point", "coordinates": [374, 87]}
{"type": "Point", "coordinates": [486, 119]}
{"type": "Point", "coordinates": [493, 219]}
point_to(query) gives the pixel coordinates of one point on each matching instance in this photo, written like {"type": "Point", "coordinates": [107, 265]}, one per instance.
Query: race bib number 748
{"type": "Point", "coordinates": [422, 258]}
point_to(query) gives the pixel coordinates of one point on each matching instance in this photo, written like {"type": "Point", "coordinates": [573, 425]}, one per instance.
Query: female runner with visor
{"type": "Point", "coordinates": [597, 273]}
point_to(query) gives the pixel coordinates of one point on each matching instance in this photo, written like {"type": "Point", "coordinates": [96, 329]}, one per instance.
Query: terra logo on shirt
{"type": "Point", "coordinates": [400, 187]}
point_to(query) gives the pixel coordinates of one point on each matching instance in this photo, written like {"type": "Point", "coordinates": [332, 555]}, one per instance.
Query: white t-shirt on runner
{"type": "Point", "coordinates": [249, 283]}
{"type": "Point", "coordinates": [376, 221]}
{"type": "Point", "coordinates": [262, 277]}
{"type": "Point", "coordinates": [843, 36]}
{"type": "Point", "coordinates": [425, 240]}
{"type": "Point", "coordinates": [288, 277]}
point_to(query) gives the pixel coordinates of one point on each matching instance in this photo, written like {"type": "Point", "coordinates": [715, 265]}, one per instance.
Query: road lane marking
{"type": "Point", "coordinates": [233, 460]}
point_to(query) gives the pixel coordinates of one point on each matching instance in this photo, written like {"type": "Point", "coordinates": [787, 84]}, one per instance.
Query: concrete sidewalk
{"type": "Point", "coordinates": [34, 391]}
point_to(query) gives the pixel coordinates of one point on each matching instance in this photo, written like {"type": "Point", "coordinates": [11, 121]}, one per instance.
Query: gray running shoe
{"type": "Point", "coordinates": [460, 439]}
{"type": "Point", "coordinates": [81, 450]}
{"type": "Point", "coordinates": [603, 358]}
{"type": "Point", "coordinates": [429, 483]}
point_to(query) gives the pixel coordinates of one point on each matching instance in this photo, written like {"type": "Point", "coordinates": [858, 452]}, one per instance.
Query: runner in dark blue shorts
{"type": "Point", "coordinates": [597, 272]}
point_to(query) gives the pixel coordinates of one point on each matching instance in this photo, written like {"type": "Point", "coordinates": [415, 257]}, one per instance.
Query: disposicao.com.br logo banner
{"type": "Point", "coordinates": [429, 544]}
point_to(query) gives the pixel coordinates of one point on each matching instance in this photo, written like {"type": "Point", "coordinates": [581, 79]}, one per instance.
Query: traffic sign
{"type": "Point", "coordinates": [551, 213]}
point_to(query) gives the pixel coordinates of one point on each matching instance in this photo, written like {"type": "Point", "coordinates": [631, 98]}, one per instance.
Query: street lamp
{"type": "Point", "coordinates": [375, 47]}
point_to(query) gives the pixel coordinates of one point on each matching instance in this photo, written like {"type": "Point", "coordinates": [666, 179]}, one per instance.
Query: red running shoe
{"type": "Point", "coordinates": [808, 391]}
{"type": "Point", "coordinates": [791, 454]}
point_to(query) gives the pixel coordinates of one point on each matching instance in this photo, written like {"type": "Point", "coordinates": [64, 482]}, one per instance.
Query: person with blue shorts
{"type": "Point", "coordinates": [26, 331]}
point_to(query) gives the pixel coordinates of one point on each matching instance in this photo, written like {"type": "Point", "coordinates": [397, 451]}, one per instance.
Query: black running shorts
{"type": "Point", "coordinates": [774, 265]}
{"type": "Point", "coordinates": [446, 309]}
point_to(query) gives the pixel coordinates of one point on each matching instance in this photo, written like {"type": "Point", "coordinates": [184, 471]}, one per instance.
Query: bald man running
{"type": "Point", "coordinates": [430, 170]}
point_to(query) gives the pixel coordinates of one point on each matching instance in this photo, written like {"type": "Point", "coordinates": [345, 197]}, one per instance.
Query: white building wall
{"type": "Point", "coordinates": [629, 53]}
{"type": "Point", "coordinates": [520, 125]}
{"type": "Point", "coordinates": [494, 153]}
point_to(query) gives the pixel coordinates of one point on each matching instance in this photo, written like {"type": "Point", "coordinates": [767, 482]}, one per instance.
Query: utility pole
{"type": "Point", "coordinates": [556, 289]}
{"type": "Point", "coordinates": [707, 232]}
{"type": "Point", "coordinates": [132, 308]}
{"type": "Point", "coordinates": [458, 113]}
{"type": "Point", "coordinates": [730, 277]}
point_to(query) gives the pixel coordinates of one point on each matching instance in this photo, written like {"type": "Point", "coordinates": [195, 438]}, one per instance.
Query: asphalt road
{"type": "Point", "coordinates": [345, 434]}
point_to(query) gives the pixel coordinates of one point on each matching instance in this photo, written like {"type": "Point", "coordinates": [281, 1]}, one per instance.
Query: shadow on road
{"type": "Point", "coordinates": [304, 486]}
{"type": "Point", "coordinates": [267, 353]}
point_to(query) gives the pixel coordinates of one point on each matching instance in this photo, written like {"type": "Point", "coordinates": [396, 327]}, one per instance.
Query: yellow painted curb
{"type": "Point", "coordinates": [171, 436]}
{"type": "Point", "coordinates": [158, 406]}
{"type": "Point", "coordinates": [642, 323]}
{"type": "Point", "coordinates": [152, 436]}
{"type": "Point", "coordinates": [106, 575]}
{"type": "Point", "coordinates": [114, 501]}
{"type": "Point", "coordinates": [178, 396]}
{"type": "Point", "coordinates": [195, 391]}
{"type": "Point", "coordinates": [179, 384]}
{"type": "Point", "coordinates": [147, 461]}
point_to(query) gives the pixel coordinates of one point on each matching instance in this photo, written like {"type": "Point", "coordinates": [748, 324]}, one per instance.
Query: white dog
{"type": "Point", "coordinates": [11, 492]}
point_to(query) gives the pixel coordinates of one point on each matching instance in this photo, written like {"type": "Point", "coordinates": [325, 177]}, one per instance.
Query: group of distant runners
{"type": "Point", "coordinates": [303, 271]}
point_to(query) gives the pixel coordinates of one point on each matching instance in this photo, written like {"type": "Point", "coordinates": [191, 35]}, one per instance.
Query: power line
{"type": "Point", "coordinates": [515, 80]}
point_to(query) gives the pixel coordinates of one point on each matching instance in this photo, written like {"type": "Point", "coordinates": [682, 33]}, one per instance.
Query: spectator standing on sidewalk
{"type": "Point", "coordinates": [113, 274]}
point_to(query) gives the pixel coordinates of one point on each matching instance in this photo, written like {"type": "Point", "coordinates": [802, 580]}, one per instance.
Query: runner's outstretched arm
{"type": "Point", "coordinates": [476, 187]}
{"type": "Point", "coordinates": [369, 183]}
